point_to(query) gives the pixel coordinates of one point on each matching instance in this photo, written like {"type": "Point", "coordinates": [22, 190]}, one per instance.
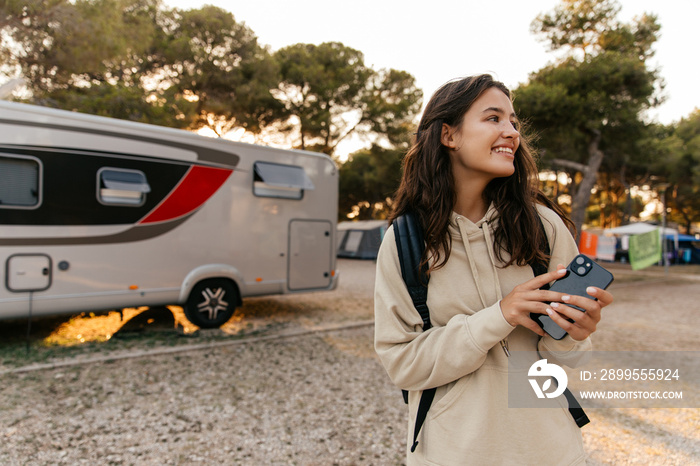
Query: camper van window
{"type": "Point", "coordinates": [20, 186]}
{"type": "Point", "coordinates": [117, 186]}
{"type": "Point", "coordinates": [277, 180]}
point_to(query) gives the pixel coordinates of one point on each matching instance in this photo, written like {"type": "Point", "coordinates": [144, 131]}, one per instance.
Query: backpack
{"type": "Point", "coordinates": [410, 244]}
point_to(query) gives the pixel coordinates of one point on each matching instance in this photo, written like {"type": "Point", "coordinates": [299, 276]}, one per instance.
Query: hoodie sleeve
{"type": "Point", "coordinates": [567, 351]}
{"type": "Point", "coordinates": [417, 360]}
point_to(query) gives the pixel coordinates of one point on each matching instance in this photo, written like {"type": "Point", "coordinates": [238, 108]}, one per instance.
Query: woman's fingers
{"type": "Point", "coordinates": [604, 297]}
{"type": "Point", "coordinates": [577, 323]}
{"type": "Point", "coordinates": [540, 280]}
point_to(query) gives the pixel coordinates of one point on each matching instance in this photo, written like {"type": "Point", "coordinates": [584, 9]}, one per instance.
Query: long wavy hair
{"type": "Point", "coordinates": [427, 185]}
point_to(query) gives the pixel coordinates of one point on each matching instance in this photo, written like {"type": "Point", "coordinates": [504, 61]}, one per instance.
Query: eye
{"type": "Point", "coordinates": [516, 125]}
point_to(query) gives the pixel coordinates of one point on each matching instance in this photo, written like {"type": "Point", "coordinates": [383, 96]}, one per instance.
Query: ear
{"type": "Point", "coordinates": [447, 136]}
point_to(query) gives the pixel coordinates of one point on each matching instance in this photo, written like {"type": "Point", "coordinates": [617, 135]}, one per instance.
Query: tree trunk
{"type": "Point", "coordinates": [627, 214]}
{"type": "Point", "coordinates": [590, 175]}
{"type": "Point", "coordinates": [582, 196]}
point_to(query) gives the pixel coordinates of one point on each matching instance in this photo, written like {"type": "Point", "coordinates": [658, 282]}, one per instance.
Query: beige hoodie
{"type": "Point", "coordinates": [470, 421]}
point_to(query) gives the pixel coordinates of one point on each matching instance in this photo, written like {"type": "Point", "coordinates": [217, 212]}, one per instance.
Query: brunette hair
{"type": "Point", "coordinates": [427, 184]}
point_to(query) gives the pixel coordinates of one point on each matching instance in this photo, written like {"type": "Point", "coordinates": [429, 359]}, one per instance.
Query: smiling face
{"type": "Point", "coordinates": [482, 147]}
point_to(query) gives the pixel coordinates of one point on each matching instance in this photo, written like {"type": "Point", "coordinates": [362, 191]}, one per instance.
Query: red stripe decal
{"type": "Point", "coordinates": [198, 185]}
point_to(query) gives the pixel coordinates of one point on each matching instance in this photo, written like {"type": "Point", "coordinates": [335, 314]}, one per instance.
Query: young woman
{"type": "Point", "coordinates": [471, 180]}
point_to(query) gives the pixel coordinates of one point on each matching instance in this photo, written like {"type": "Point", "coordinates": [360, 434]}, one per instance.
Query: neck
{"type": "Point", "coordinates": [471, 205]}
{"type": "Point", "coordinates": [469, 197]}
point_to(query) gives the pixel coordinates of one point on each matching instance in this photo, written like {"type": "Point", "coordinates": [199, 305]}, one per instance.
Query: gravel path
{"type": "Point", "coordinates": [308, 400]}
{"type": "Point", "coordinates": [316, 399]}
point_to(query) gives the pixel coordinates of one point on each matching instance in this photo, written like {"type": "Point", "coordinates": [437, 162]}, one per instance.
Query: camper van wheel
{"type": "Point", "coordinates": [211, 303]}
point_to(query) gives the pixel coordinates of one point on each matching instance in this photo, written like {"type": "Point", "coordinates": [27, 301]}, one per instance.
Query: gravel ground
{"type": "Point", "coordinates": [315, 399]}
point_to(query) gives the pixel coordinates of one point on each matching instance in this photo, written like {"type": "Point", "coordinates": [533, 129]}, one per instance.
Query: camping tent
{"type": "Point", "coordinates": [360, 240]}
{"type": "Point", "coordinates": [639, 228]}
{"type": "Point", "coordinates": [683, 249]}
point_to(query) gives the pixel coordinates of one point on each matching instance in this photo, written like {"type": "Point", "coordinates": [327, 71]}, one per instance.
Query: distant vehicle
{"type": "Point", "coordinates": [99, 214]}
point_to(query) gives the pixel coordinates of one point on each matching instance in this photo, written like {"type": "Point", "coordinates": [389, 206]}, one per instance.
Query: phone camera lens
{"type": "Point", "coordinates": [580, 260]}
{"type": "Point", "coordinates": [581, 270]}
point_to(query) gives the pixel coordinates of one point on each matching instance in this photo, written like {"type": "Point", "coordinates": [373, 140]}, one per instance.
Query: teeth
{"type": "Point", "coordinates": [504, 149]}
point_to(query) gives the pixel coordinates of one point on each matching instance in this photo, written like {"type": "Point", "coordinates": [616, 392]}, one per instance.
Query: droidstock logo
{"type": "Point", "coordinates": [542, 369]}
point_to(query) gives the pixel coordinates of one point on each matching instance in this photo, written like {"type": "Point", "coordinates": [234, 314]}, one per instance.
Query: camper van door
{"type": "Point", "coordinates": [310, 254]}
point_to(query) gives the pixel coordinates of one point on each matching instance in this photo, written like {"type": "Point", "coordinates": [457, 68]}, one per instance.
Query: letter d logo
{"type": "Point", "coordinates": [541, 369]}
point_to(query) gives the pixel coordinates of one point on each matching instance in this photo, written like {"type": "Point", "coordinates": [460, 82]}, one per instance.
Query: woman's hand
{"type": "Point", "coordinates": [527, 298]}
{"type": "Point", "coordinates": [584, 323]}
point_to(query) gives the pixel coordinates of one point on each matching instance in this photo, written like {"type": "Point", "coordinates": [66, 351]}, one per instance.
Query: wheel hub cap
{"type": "Point", "coordinates": [213, 302]}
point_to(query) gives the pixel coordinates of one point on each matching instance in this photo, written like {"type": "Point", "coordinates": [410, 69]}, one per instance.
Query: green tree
{"type": "Point", "coordinates": [137, 60]}
{"type": "Point", "coordinates": [125, 102]}
{"type": "Point", "coordinates": [368, 180]}
{"type": "Point", "coordinates": [680, 167]}
{"type": "Point", "coordinates": [58, 43]}
{"type": "Point", "coordinates": [587, 107]}
{"type": "Point", "coordinates": [91, 55]}
{"type": "Point", "coordinates": [217, 63]}
{"type": "Point", "coordinates": [329, 95]}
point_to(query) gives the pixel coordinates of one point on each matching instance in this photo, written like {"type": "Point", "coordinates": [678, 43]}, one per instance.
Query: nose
{"type": "Point", "coordinates": [509, 131]}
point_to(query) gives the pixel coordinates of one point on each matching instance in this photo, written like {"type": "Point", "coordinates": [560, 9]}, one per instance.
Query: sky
{"type": "Point", "coordinates": [440, 40]}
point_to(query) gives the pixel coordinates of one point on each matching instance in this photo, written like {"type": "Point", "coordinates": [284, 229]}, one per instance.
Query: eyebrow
{"type": "Point", "coordinates": [499, 110]}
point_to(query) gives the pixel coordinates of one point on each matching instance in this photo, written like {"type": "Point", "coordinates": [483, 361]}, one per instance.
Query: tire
{"type": "Point", "coordinates": [211, 303]}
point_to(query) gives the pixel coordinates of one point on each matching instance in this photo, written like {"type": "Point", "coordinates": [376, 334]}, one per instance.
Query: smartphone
{"type": "Point", "coordinates": [581, 273]}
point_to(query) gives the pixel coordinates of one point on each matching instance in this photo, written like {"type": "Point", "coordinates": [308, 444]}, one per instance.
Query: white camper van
{"type": "Point", "coordinates": [98, 214]}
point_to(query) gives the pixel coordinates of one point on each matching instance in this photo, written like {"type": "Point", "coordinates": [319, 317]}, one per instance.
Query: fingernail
{"type": "Point", "coordinates": [561, 271]}
{"type": "Point", "coordinates": [555, 305]}
{"type": "Point", "coordinates": [565, 298]}
{"type": "Point", "coordinates": [550, 312]}
{"type": "Point", "coordinates": [590, 290]}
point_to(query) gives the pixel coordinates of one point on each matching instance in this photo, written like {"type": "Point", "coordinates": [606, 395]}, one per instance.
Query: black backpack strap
{"type": "Point", "coordinates": [410, 245]}
{"type": "Point", "coordinates": [575, 409]}
{"type": "Point", "coordinates": [539, 268]}
{"type": "Point", "coordinates": [426, 399]}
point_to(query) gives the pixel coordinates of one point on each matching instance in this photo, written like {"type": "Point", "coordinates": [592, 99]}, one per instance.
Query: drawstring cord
{"type": "Point", "coordinates": [489, 247]}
